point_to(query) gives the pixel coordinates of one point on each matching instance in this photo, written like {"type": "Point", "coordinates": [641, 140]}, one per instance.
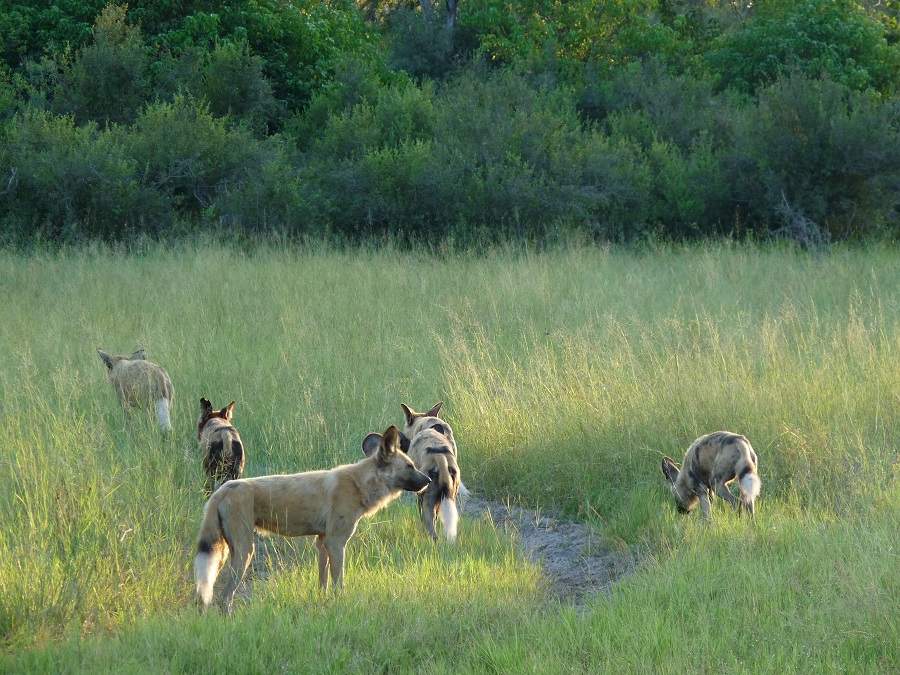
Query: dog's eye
{"type": "Point", "coordinates": [438, 428]}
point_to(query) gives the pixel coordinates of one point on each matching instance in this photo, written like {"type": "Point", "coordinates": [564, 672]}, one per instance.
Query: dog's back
{"type": "Point", "coordinates": [139, 382]}
{"type": "Point", "coordinates": [223, 453]}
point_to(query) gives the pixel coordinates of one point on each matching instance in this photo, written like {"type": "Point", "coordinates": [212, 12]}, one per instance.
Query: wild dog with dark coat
{"type": "Point", "coordinates": [417, 422]}
{"type": "Point", "coordinates": [710, 464]}
{"type": "Point", "coordinates": [327, 504]}
{"type": "Point", "coordinates": [139, 382]}
{"type": "Point", "coordinates": [220, 445]}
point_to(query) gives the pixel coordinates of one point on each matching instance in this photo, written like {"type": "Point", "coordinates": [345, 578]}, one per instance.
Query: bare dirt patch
{"type": "Point", "coordinates": [577, 562]}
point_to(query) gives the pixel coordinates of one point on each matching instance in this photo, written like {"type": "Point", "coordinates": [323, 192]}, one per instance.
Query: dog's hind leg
{"type": "Point", "coordinates": [428, 508]}
{"type": "Point", "coordinates": [723, 492]}
{"type": "Point", "coordinates": [238, 564]}
{"type": "Point", "coordinates": [323, 562]}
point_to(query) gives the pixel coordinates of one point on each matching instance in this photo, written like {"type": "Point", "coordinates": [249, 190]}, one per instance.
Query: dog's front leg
{"type": "Point", "coordinates": [335, 546]}
{"type": "Point", "coordinates": [323, 561]}
{"type": "Point", "coordinates": [704, 505]}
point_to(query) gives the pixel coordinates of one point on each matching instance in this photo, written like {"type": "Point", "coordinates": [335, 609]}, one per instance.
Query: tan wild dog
{"type": "Point", "coordinates": [139, 382]}
{"type": "Point", "coordinates": [220, 445]}
{"type": "Point", "coordinates": [327, 504]}
{"type": "Point", "coordinates": [710, 464]}
{"type": "Point", "coordinates": [417, 422]}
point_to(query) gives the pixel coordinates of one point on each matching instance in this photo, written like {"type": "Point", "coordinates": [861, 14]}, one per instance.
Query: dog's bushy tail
{"type": "Point", "coordinates": [447, 491]}
{"type": "Point", "coordinates": [750, 486]}
{"type": "Point", "coordinates": [211, 549]}
{"type": "Point", "coordinates": [162, 414]}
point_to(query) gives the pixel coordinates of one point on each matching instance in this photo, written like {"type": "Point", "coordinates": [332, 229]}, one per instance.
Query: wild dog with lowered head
{"type": "Point", "coordinates": [139, 382]}
{"type": "Point", "coordinates": [710, 464]}
{"type": "Point", "coordinates": [327, 504]}
{"type": "Point", "coordinates": [433, 455]}
{"type": "Point", "coordinates": [417, 422]}
{"type": "Point", "coordinates": [221, 445]}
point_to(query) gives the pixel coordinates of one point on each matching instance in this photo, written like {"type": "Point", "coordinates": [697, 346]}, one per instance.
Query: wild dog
{"type": "Point", "coordinates": [220, 445]}
{"type": "Point", "coordinates": [139, 382]}
{"type": "Point", "coordinates": [325, 504]}
{"type": "Point", "coordinates": [417, 422]}
{"type": "Point", "coordinates": [710, 464]}
{"type": "Point", "coordinates": [433, 455]}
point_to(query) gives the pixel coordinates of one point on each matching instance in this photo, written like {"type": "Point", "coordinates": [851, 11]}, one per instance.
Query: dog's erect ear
{"type": "Point", "coordinates": [669, 469]}
{"type": "Point", "coordinates": [228, 411]}
{"type": "Point", "coordinates": [404, 442]}
{"type": "Point", "coordinates": [390, 442]}
{"type": "Point", "coordinates": [435, 409]}
{"type": "Point", "coordinates": [409, 413]}
{"type": "Point", "coordinates": [106, 358]}
{"type": "Point", "coordinates": [205, 407]}
{"type": "Point", "coordinates": [140, 354]}
{"type": "Point", "coordinates": [371, 443]}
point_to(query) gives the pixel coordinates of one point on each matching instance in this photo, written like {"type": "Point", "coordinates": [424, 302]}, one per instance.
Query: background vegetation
{"type": "Point", "coordinates": [471, 121]}
{"type": "Point", "coordinates": [566, 374]}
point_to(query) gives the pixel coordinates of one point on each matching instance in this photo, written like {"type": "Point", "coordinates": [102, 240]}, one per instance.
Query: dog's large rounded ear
{"type": "Point", "coordinates": [669, 469]}
{"type": "Point", "coordinates": [139, 354]}
{"type": "Point", "coordinates": [205, 407]}
{"type": "Point", "coordinates": [371, 443]}
{"type": "Point", "coordinates": [409, 413]}
{"type": "Point", "coordinates": [106, 358]}
{"type": "Point", "coordinates": [390, 443]}
{"type": "Point", "coordinates": [228, 411]}
{"type": "Point", "coordinates": [435, 409]}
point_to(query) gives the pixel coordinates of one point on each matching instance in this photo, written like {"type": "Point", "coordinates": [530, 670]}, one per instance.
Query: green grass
{"type": "Point", "coordinates": [566, 374]}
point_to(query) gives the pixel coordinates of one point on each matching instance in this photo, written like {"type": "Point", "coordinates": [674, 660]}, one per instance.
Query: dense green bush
{"type": "Point", "coordinates": [833, 37]}
{"type": "Point", "coordinates": [830, 154]}
{"type": "Point", "coordinates": [623, 119]}
{"type": "Point", "coordinates": [64, 180]}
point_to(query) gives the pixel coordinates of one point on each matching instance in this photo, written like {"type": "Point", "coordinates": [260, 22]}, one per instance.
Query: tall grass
{"type": "Point", "coordinates": [566, 375]}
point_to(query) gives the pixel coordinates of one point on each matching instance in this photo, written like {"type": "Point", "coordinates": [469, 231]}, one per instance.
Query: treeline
{"type": "Point", "coordinates": [478, 119]}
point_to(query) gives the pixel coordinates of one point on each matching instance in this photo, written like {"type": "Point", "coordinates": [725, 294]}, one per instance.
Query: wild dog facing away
{"type": "Point", "coordinates": [327, 504]}
{"type": "Point", "coordinates": [433, 455]}
{"type": "Point", "coordinates": [710, 464]}
{"type": "Point", "coordinates": [417, 422]}
{"type": "Point", "coordinates": [139, 383]}
{"type": "Point", "coordinates": [220, 444]}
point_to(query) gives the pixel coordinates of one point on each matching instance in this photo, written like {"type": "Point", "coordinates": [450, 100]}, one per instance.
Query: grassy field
{"type": "Point", "coordinates": [566, 374]}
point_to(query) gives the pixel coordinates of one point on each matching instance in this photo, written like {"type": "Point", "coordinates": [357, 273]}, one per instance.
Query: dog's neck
{"type": "Point", "coordinates": [206, 420]}
{"type": "Point", "coordinates": [374, 493]}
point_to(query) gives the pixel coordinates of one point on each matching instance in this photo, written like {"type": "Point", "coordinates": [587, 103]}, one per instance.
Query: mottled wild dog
{"type": "Point", "coordinates": [327, 504]}
{"type": "Point", "coordinates": [710, 464]}
{"type": "Point", "coordinates": [139, 382]}
{"type": "Point", "coordinates": [417, 422]}
{"type": "Point", "coordinates": [220, 445]}
{"type": "Point", "coordinates": [433, 455]}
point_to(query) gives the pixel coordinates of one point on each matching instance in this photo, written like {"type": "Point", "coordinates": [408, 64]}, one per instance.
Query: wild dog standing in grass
{"type": "Point", "coordinates": [433, 455]}
{"type": "Point", "coordinates": [139, 382]}
{"type": "Point", "coordinates": [220, 443]}
{"type": "Point", "coordinates": [710, 464]}
{"type": "Point", "coordinates": [327, 504]}
{"type": "Point", "coordinates": [418, 422]}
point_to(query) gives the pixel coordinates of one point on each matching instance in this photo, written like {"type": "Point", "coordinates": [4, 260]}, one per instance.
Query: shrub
{"type": "Point", "coordinates": [107, 81]}
{"type": "Point", "coordinates": [833, 37]}
{"type": "Point", "coordinates": [831, 154]}
{"type": "Point", "coordinates": [69, 181]}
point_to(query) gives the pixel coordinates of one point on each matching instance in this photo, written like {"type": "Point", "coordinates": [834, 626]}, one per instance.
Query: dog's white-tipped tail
{"type": "Point", "coordinates": [450, 518]}
{"type": "Point", "coordinates": [162, 414]}
{"type": "Point", "coordinates": [751, 485]}
{"type": "Point", "coordinates": [206, 567]}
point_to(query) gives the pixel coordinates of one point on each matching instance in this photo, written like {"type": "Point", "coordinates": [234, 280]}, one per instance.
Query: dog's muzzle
{"type": "Point", "coordinates": [418, 483]}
